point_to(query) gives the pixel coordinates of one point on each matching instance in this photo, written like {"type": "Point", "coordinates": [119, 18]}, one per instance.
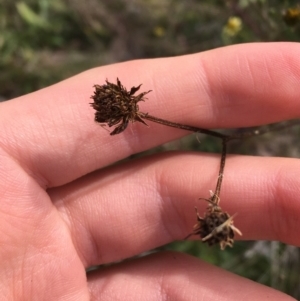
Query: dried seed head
{"type": "Point", "coordinates": [216, 227]}
{"type": "Point", "coordinates": [115, 106]}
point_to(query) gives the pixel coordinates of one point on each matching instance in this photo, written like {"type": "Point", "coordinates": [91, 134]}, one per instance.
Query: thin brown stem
{"type": "Point", "coordinates": [182, 126]}
{"type": "Point", "coordinates": [244, 135]}
{"type": "Point", "coordinates": [216, 196]}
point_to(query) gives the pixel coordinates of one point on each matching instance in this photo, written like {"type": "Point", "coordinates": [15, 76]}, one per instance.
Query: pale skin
{"type": "Point", "coordinates": [62, 211]}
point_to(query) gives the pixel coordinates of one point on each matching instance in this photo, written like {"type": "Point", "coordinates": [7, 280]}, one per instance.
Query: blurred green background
{"type": "Point", "coordinates": [43, 42]}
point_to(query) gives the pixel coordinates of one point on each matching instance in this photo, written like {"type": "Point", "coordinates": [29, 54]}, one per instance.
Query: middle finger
{"type": "Point", "coordinates": [126, 209]}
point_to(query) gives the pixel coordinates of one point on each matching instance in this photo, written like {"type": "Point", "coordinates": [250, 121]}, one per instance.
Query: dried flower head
{"type": "Point", "coordinates": [216, 226]}
{"type": "Point", "coordinates": [115, 106]}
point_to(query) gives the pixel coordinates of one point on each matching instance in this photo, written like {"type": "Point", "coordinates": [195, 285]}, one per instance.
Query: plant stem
{"type": "Point", "coordinates": [182, 126]}
{"type": "Point", "coordinates": [216, 197]}
{"type": "Point", "coordinates": [258, 131]}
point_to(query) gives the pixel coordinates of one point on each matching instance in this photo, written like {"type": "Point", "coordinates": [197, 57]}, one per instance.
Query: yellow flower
{"type": "Point", "coordinates": [233, 26]}
{"type": "Point", "coordinates": [292, 16]}
{"type": "Point", "coordinates": [159, 31]}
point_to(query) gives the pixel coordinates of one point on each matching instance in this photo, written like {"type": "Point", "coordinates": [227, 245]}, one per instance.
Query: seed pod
{"type": "Point", "coordinates": [115, 106]}
{"type": "Point", "coordinates": [216, 227]}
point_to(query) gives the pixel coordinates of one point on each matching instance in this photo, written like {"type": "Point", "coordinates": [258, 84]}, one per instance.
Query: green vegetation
{"type": "Point", "coordinates": [43, 42]}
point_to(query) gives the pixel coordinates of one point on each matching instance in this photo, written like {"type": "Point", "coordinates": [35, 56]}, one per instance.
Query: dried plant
{"type": "Point", "coordinates": [216, 227]}
{"type": "Point", "coordinates": [115, 106]}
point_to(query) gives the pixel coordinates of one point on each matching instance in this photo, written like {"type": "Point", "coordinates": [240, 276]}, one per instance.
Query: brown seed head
{"type": "Point", "coordinates": [216, 227]}
{"type": "Point", "coordinates": [115, 106]}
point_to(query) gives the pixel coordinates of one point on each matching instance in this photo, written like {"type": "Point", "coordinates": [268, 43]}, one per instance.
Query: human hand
{"type": "Point", "coordinates": [63, 211]}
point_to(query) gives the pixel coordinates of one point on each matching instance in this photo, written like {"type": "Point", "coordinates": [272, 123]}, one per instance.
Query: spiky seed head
{"type": "Point", "coordinates": [115, 106]}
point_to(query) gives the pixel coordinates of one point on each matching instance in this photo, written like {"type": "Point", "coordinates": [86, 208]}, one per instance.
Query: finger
{"type": "Point", "coordinates": [128, 209]}
{"type": "Point", "coordinates": [174, 276]}
{"type": "Point", "coordinates": [53, 135]}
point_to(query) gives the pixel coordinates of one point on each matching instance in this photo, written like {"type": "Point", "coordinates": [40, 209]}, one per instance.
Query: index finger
{"type": "Point", "coordinates": [52, 133]}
